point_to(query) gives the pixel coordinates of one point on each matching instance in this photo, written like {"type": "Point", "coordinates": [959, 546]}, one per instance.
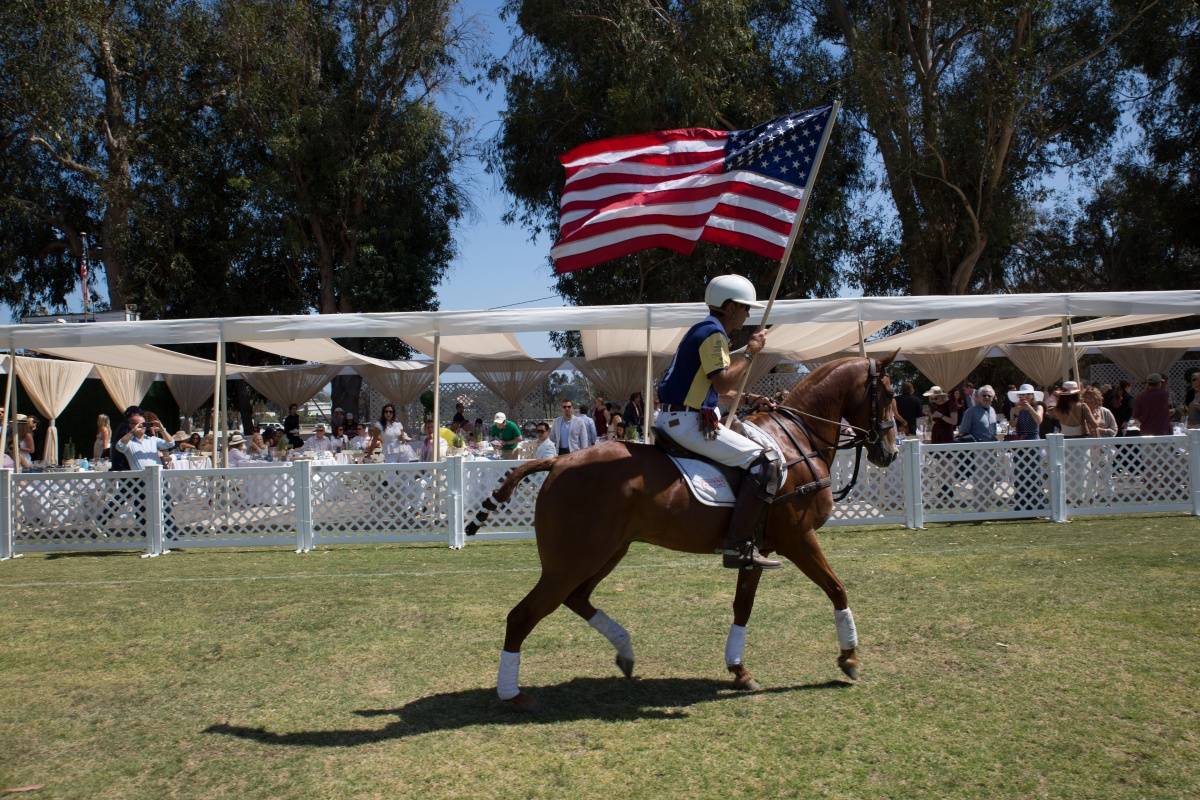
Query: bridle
{"type": "Point", "coordinates": [859, 438]}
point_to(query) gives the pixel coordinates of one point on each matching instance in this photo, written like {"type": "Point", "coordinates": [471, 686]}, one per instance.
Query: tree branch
{"type": "Point", "coordinates": [64, 160]}
{"type": "Point", "coordinates": [1103, 46]}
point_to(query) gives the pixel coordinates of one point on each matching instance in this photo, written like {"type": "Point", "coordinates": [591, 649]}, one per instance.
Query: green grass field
{"type": "Point", "coordinates": [1000, 660]}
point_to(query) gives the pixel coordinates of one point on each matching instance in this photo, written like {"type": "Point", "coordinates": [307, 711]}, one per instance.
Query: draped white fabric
{"type": "Point", "coordinates": [286, 386]}
{"type": "Point", "coordinates": [809, 341]}
{"type": "Point", "coordinates": [1042, 364]}
{"type": "Point", "coordinates": [459, 349]}
{"type": "Point", "coordinates": [1099, 324]}
{"type": "Point", "coordinates": [51, 385]}
{"type": "Point", "coordinates": [190, 391]}
{"type": "Point", "coordinates": [950, 335]}
{"type": "Point", "coordinates": [948, 369]}
{"type": "Point", "coordinates": [630, 342]}
{"type": "Point", "coordinates": [1140, 361]}
{"type": "Point", "coordinates": [318, 351]}
{"type": "Point", "coordinates": [146, 358]}
{"type": "Point", "coordinates": [399, 386]}
{"type": "Point", "coordinates": [126, 387]}
{"type": "Point", "coordinates": [617, 377]}
{"type": "Point", "coordinates": [512, 380]}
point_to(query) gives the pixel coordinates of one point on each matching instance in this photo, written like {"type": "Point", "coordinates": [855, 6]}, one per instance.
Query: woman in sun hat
{"type": "Point", "coordinates": [944, 414]}
{"type": "Point", "coordinates": [1075, 418]}
{"type": "Point", "coordinates": [1026, 413]}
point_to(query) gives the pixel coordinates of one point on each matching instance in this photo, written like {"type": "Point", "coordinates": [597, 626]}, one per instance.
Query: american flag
{"type": "Point", "coordinates": [83, 272]}
{"type": "Point", "coordinates": [673, 188]}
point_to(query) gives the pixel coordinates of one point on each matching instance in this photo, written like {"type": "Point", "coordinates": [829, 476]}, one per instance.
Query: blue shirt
{"type": "Point", "coordinates": [980, 422]}
{"type": "Point", "coordinates": [703, 351]}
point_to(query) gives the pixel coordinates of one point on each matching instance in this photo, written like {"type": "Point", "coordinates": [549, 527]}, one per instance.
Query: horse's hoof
{"type": "Point", "coordinates": [626, 666]}
{"type": "Point", "coordinates": [522, 704]}
{"type": "Point", "coordinates": [849, 666]}
{"type": "Point", "coordinates": [743, 681]}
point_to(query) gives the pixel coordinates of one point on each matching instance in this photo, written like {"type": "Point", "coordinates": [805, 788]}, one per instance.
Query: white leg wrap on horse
{"type": "Point", "coordinates": [847, 633]}
{"type": "Point", "coordinates": [611, 629]}
{"type": "Point", "coordinates": [506, 679]}
{"type": "Point", "coordinates": [735, 645]}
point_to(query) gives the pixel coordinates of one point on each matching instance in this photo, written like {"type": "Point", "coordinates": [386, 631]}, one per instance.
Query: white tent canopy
{"type": "Point", "coordinates": [318, 351]}
{"type": "Point", "coordinates": [629, 317]}
{"type": "Point", "coordinates": [953, 335]}
{"type": "Point", "coordinates": [809, 341]}
{"type": "Point", "coordinates": [1041, 362]}
{"type": "Point", "coordinates": [1100, 324]}
{"type": "Point", "coordinates": [459, 349]}
{"type": "Point", "coordinates": [126, 387]}
{"type": "Point", "coordinates": [287, 387]}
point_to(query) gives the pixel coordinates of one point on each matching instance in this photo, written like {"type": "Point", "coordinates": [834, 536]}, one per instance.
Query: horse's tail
{"type": "Point", "coordinates": [504, 491]}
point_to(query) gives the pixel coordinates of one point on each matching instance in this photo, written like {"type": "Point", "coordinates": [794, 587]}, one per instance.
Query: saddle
{"type": "Point", "coordinates": [675, 451]}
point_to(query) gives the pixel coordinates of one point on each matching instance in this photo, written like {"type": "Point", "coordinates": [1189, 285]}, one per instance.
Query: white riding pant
{"type": "Point", "coordinates": [728, 448]}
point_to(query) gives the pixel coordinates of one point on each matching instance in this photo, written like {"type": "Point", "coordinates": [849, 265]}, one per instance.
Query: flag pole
{"type": "Point", "coordinates": [787, 251]}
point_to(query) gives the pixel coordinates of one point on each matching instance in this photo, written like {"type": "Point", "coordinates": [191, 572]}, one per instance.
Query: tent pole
{"type": "Point", "coordinates": [437, 395]}
{"type": "Point", "coordinates": [10, 410]}
{"type": "Point", "coordinates": [1074, 351]}
{"type": "Point", "coordinates": [648, 399]}
{"type": "Point", "coordinates": [862, 340]}
{"type": "Point", "coordinates": [1064, 326]}
{"type": "Point", "coordinates": [218, 377]}
{"type": "Point", "coordinates": [224, 408]}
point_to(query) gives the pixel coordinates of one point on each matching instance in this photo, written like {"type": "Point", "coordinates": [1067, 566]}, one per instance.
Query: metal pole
{"type": "Point", "coordinates": [648, 399]}
{"type": "Point", "coordinates": [218, 377]}
{"type": "Point", "coordinates": [787, 251]}
{"type": "Point", "coordinates": [437, 394]}
{"type": "Point", "coordinates": [862, 340]}
{"type": "Point", "coordinates": [224, 408]}
{"type": "Point", "coordinates": [10, 405]}
{"type": "Point", "coordinates": [1074, 351]}
{"type": "Point", "coordinates": [1066, 359]}
{"type": "Point", "coordinates": [9, 411]}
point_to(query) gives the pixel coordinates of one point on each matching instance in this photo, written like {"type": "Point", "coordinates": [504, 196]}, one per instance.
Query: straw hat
{"type": "Point", "coordinates": [935, 391]}
{"type": "Point", "coordinates": [180, 436]}
{"type": "Point", "coordinates": [1068, 388]}
{"type": "Point", "coordinates": [1026, 388]}
{"type": "Point", "coordinates": [236, 439]}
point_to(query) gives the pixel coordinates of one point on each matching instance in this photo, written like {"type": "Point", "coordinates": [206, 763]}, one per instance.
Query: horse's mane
{"type": "Point", "coordinates": [813, 386]}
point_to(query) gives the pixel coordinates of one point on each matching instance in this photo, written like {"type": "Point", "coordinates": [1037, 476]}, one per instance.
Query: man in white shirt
{"type": "Point", "coordinates": [141, 446]}
{"type": "Point", "coordinates": [571, 432]}
{"type": "Point", "coordinates": [360, 439]}
{"type": "Point", "coordinates": [545, 447]}
{"type": "Point", "coordinates": [319, 442]}
{"type": "Point", "coordinates": [237, 451]}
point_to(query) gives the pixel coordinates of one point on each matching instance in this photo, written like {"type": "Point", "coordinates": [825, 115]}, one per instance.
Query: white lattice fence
{"type": "Point", "coordinates": [985, 480]}
{"type": "Point", "coordinates": [878, 496]}
{"type": "Point", "coordinates": [481, 478]}
{"type": "Point", "coordinates": [1105, 476]}
{"type": "Point", "coordinates": [1176, 377]}
{"type": "Point", "coordinates": [219, 507]}
{"type": "Point", "coordinates": [89, 511]}
{"type": "Point", "coordinates": [774, 382]}
{"type": "Point", "coordinates": [379, 503]}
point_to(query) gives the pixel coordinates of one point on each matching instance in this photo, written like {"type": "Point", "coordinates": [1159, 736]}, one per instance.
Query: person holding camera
{"type": "Point", "coordinates": [1026, 413]}
{"type": "Point", "coordinates": [142, 444]}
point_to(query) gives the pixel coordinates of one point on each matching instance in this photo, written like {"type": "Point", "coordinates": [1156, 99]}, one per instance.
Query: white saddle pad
{"type": "Point", "coordinates": [708, 484]}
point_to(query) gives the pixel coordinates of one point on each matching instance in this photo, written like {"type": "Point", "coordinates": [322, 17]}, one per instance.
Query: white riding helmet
{"type": "Point", "coordinates": [730, 287]}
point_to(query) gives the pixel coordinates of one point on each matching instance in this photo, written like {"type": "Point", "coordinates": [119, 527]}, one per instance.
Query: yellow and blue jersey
{"type": "Point", "coordinates": [703, 351]}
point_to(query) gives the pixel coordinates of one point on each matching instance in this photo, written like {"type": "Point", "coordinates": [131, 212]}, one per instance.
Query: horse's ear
{"type": "Point", "coordinates": [883, 362]}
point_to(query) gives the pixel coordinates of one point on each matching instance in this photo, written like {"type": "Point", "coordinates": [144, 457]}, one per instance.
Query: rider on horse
{"type": "Point", "coordinates": [687, 413]}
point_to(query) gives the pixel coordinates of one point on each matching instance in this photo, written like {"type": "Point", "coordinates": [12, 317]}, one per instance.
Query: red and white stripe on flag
{"type": "Point", "coordinates": [667, 189]}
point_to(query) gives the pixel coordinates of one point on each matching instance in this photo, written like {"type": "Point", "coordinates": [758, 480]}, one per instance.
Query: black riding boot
{"type": "Point", "coordinates": [739, 550]}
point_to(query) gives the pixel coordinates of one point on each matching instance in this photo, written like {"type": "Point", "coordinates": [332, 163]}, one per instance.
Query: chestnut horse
{"type": "Point", "coordinates": [597, 501]}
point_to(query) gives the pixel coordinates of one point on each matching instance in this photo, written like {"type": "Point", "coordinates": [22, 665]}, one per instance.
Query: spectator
{"type": "Point", "coordinates": [968, 395]}
{"type": "Point", "coordinates": [1193, 402]}
{"type": "Point", "coordinates": [141, 444]}
{"type": "Point", "coordinates": [103, 444]}
{"type": "Point", "coordinates": [291, 426]}
{"type": "Point", "coordinates": [634, 412]}
{"type": "Point", "coordinates": [119, 462]}
{"type": "Point", "coordinates": [1120, 403]}
{"type": "Point", "coordinates": [1075, 418]}
{"type": "Point", "coordinates": [943, 416]}
{"type": "Point", "coordinates": [459, 413]}
{"type": "Point", "coordinates": [1106, 420]}
{"type": "Point", "coordinates": [256, 447]}
{"type": "Point", "coordinates": [391, 434]}
{"type": "Point", "coordinates": [1193, 388]}
{"type": "Point", "coordinates": [571, 432]}
{"type": "Point", "coordinates": [337, 419]}
{"type": "Point", "coordinates": [545, 447]}
{"type": "Point", "coordinates": [600, 418]}
{"type": "Point", "coordinates": [1152, 408]}
{"type": "Point", "coordinates": [25, 441]}
{"type": "Point", "coordinates": [908, 407]}
{"type": "Point", "coordinates": [479, 429]}
{"type": "Point", "coordinates": [374, 439]}
{"type": "Point", "coordinates": [360, 439]}
{"type": "Point", "coordinates": [340, 440]}
{"type": "Point", "coordinates": [614, 421]}
{"type": "Point", "coordinates": [319, 442]}
{"type": "Point", "coordinates": [1005, 403]}
{"type": "Point", "coordinates": [1026, 412]}
{"type": "Point", "coordinates": [237, 452]}
{"type": "Point", "coordinates": [505, 435]}
{"type": "Point", "coordinates": [979, 421]}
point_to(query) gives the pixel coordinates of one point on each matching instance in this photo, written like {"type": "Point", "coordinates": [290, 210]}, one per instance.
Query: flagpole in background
{"type": "Point", "coordinates": [787, 251]}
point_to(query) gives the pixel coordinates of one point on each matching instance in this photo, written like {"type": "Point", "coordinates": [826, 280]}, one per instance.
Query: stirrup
{"type": "Point", "coordinates": [745, 555]}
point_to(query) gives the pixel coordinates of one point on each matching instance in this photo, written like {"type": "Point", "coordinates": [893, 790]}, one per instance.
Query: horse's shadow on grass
{"type": "Point", "coordinates": [604, 699]}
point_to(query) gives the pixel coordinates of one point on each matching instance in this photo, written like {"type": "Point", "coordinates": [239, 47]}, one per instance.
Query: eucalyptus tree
{"type": "Point", "coordinates": [588, 70]}
{"type": "Point", "coordinates": [970, 104]}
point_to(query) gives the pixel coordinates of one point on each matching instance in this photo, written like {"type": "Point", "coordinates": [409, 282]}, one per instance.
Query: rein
{"type": "Point", "coordinates": [862, 436]}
